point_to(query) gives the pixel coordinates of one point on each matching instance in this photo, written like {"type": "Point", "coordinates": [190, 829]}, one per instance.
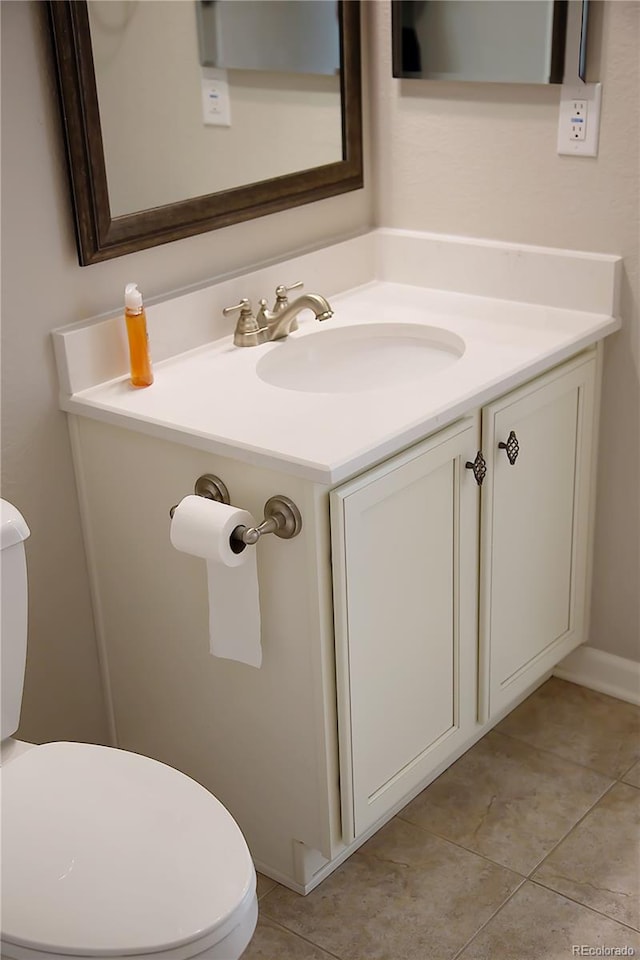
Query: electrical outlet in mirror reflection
{"type": "Point", "coordinates": [216, 108]}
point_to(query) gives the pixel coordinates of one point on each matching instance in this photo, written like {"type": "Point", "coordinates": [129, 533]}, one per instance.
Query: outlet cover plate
{"type": "Point", "coordinates": [216, 108]}
{"type": "Point", "coordinates": [579, 119]}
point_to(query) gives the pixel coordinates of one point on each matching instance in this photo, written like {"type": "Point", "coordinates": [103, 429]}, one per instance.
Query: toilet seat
{"type": "Point", "coordinates": [109, 853]}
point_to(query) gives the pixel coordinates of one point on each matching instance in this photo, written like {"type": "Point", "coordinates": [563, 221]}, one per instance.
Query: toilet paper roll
{"type": "Point", "coordinates": [203, 528]}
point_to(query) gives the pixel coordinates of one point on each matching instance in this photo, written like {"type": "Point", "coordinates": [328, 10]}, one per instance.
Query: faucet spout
{"type": "Point", "coordinates": [279, 324]}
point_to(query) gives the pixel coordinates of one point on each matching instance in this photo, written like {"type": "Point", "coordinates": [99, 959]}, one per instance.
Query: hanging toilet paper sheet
{"type": "Point", "coordinates": [203, 528]}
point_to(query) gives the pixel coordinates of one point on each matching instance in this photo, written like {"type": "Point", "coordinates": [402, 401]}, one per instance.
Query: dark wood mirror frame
{"type": "Point", "coordinates": [101, 236]}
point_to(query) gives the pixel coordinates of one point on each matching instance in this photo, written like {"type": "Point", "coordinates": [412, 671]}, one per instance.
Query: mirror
{"type": "Point", "coordinates": [154, 157]}
{"type": "Point", "coordinates": [279, 35]}
{"type": "Point", "coordinates": [499, 41]}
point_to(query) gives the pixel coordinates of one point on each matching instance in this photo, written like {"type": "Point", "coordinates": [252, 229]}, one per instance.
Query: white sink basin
{"type": "Point", "coordinates": [352, 359]}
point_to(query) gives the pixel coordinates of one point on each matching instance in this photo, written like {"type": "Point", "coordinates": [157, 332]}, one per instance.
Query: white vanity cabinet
{"type": "Point", "coordinates": [415, 675]}
{"type": "Point", "coordinates": [416, 607]}
{"type": "Point", "coordinates": [412, 611]}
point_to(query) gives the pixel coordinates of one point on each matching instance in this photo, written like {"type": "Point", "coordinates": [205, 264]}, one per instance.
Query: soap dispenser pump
{"type": "Point", "coordinates": [140, 360]}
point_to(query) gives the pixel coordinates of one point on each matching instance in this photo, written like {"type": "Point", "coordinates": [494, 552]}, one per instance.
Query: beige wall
{"type": "Point", "coordinates": [43, 287]}
{"type": "Point", "coordinates": [480, 160]}
{"type": "Point", "coordinates": [477, 160]}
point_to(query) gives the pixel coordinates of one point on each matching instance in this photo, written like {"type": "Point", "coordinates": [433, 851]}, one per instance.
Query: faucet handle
{"type": "Point", "coordinates": [281, 294]}
{"type": "Point", "coordinates": [248, 332]}
{"type": "Point", "coordinates": [282, 301]}
{"type": "Point", "coordinates": [244, 307]}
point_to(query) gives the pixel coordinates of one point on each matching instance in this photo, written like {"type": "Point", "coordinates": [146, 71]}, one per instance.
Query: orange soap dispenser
{"type": "Point", "coordinates": [140, 360]}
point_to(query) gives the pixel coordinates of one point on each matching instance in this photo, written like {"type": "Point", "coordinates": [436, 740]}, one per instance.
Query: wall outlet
{"type": "Point", "coordinates": [216, 108]}
{"type": "Point", "coordinates": [579, 120]}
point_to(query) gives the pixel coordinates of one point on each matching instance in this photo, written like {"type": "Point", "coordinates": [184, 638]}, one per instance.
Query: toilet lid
{"type": "Point", "coordinates": [107, 852]}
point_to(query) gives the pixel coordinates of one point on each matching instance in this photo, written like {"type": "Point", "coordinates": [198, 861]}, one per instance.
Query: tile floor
{"type": "Point", "coordinates": [526, 848]}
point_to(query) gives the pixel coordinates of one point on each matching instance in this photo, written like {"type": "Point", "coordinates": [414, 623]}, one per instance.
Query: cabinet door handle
{"type": "Point", "coordinates": [511, 446]}
{"type": "Point", "coordinates": [479, 467]}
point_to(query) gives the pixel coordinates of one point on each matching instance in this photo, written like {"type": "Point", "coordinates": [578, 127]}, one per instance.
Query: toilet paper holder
{"type": "Point", "coordinates": [281, 515]}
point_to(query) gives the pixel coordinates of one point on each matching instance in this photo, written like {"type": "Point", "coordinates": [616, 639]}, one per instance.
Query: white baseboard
{"type": "Point", "coordinates": [602, 671]}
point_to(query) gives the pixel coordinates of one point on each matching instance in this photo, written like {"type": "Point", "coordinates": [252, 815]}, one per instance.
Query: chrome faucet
{"type": "Point", "coordinates": [277, 323]}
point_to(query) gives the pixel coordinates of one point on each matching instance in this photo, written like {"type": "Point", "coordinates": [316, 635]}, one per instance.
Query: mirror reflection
{"type": "Point", "coordinates": [499, 41]}
{"type": "Point", "coordinates": [174, 127]}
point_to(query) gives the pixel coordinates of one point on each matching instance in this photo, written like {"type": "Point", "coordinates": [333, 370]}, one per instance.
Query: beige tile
{"type": "Point", "coordinates": [633, 775]}
{"type": "Point", "coordinates": [507, 801]}
{"type": "Point", "coordinates": [537, 924]}
{"type": "Point", "coordinates": [405, 895]}
{"type": "Point", "coordinates": [580, 725]}
{"type": "Point", "coordinates": [599, 862]}
{"type": "Point", "coordinates": [271, 942]}
{"type": "Point", "coordinates": [265, 885]}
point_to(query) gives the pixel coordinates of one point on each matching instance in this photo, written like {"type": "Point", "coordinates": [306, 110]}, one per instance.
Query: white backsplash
{"type": "Point", "coordinates": [95, 351]}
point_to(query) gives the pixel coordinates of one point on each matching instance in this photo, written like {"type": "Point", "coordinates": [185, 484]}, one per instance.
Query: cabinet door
{"type": "Point", "coordinates": [404, 558]}
{"type": "Point", "coordinates": [534, 530]}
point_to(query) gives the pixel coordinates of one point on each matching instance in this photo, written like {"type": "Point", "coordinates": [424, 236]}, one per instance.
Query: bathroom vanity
{"type": "Point", "coordinates": [443, 565]}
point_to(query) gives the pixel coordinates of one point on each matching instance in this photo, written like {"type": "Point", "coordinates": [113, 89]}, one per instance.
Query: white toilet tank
{"type": "Point", "coordinates": [13, 614]}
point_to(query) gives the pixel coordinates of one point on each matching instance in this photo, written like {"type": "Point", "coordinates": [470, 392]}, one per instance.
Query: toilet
{"type": "Point", "coordinates": [107, 853]}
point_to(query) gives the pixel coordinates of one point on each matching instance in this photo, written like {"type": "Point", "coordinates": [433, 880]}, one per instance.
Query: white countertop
{"type": "Point", "coordinates": [211, 397]}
